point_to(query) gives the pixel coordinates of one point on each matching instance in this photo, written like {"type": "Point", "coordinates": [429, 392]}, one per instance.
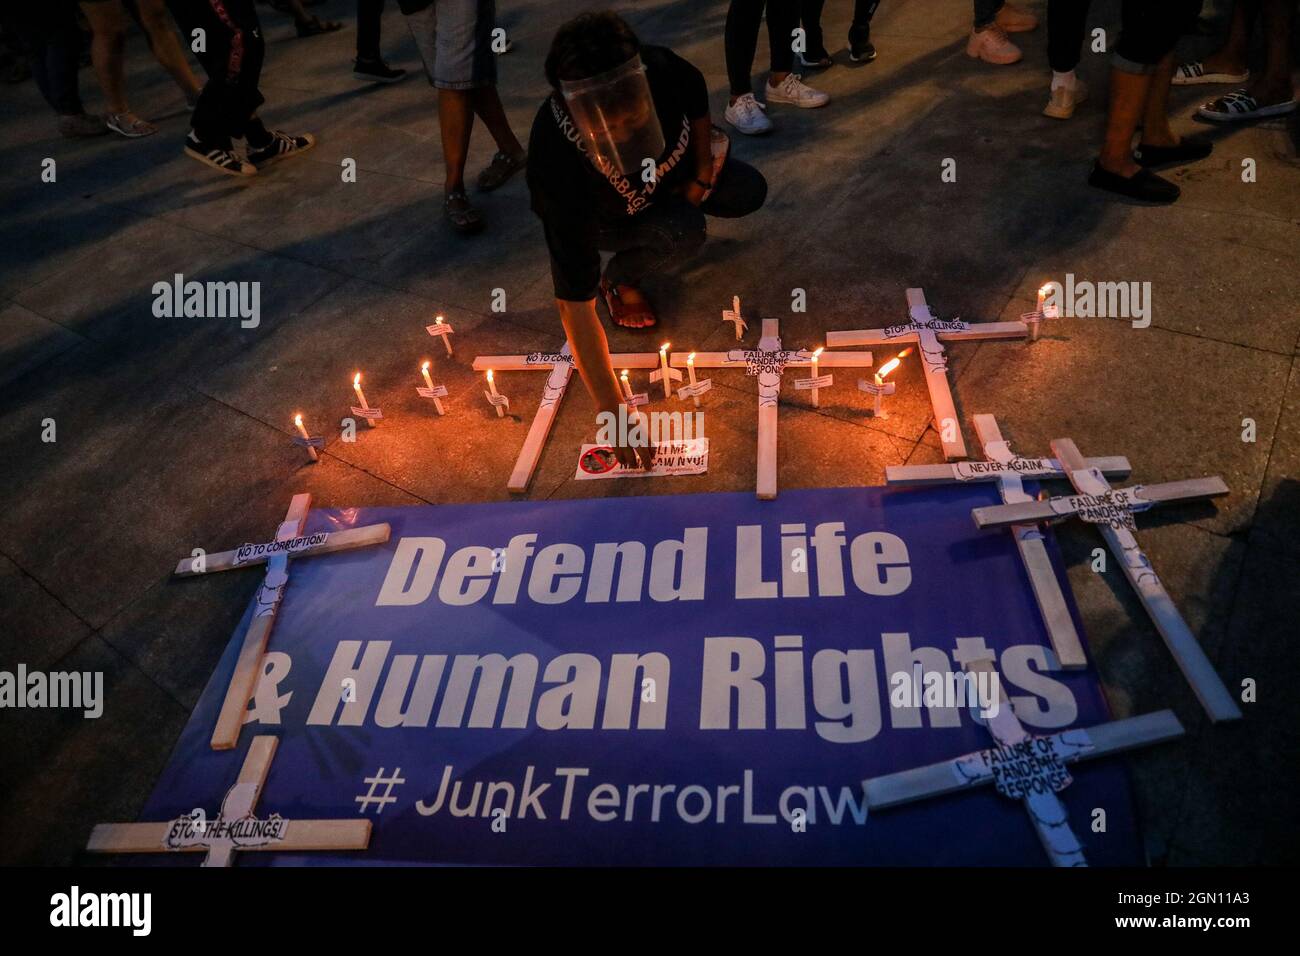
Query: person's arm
{"type": "Point", "coordinates": [590, 350]}
{"type": "Point", "coordinates": [702, 153]}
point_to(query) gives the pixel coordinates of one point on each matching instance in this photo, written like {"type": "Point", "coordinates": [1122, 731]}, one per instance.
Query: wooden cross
{"type": "Point", "coordinates": [289, 543]}
{"type": "Point", "coordinates": [1007, 469]}
{"type": "Point", "coordinates": [235, 827]}
{"type": "Point", "coordinates": [1025, 767]}
{"type": "Point", "coordinates": [560, 366]}
{"type": "Point", "coordinates": [1112, 511]}
{"type": "Point", "coordinates": [767, 362]}
{"type": "Point", "coordinates": [733, 316]}
{"type": "Point", "coordinates": [929, 333]}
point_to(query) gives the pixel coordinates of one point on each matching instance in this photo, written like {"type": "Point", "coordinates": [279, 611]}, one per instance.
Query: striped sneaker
{"type": "Point", "coordinates": [281, 145]}
{"type": "Point", "coordinates": [218, 157]}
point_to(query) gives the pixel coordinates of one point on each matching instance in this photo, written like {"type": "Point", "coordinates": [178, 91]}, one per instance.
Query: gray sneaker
{"type": "Point", "coordinates": [81, 125]}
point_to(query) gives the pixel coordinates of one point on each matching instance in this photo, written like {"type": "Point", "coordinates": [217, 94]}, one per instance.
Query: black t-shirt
{"type": "Point", "coordinates": [574, 199]}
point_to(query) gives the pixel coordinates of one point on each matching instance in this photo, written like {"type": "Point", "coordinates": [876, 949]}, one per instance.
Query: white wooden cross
{"type": "Point", "coordinates": [1007, 469]}
{"type": "Point", "coordinates": [767, 363]}
{"type": "Point", "coordinates": [560, 365]}
{"type": "Point", "coordinates": [929, 333]}
{"type": "Point", "coordinates": [289, 543]}
{"type": "Point", "coordinates": [1026, 767]}
{"type": "Point", "coordinates": [1112, 511]}
{"type": "Point", "coordinates": [235, 828]}
{"type": "Point", "coordinates": [733, 316]}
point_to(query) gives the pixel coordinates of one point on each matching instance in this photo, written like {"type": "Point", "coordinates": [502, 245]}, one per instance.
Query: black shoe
{"type": "Point", "coordinates": [860, 48]}
{"type": "Point", "coordinates": [218, 156]}
{"type": "Point", "coordinates": [377, 71]}
{"type": "Point", "coordinates": [1188, 151]}
{"type": "Point", "coordinates": [1144, 185]}
{"type": "Point", "coordinates": [815, 59]}
{"type": "Point", "coordinates": [281, 145]}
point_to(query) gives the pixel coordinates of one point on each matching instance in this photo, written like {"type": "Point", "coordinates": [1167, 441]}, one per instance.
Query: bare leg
{"type": "Point", "coordinates": [108, 21]}
{"type": "Point", "coordinates": [487, 105]}
{"type": "Point", "coordinates": [1128, 97]}
{"type": "Point", "coordinates": [167, 48]}
{"type": "Point", "coordinates": [1273, 85]}
{"type": "Point", "coordinates": [1231, 57]}
{"type": "Point", "coordinates": [1155, 123]}
{"type": "Point", "coordinates": [455, 121]}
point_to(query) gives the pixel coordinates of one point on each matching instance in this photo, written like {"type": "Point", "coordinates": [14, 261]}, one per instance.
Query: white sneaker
{"type": "Point", "coordinates": [747, 116]}
{"type": "Point", "coordinates": [794, 91]}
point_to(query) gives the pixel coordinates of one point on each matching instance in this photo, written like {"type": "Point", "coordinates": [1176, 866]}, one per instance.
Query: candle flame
{"type": "Point", "coordinates": [624, 375]}
{"type": "Point", "coordinates": [891, 364]}
{"type": "Point", "coordinates": [356, 380]}
{"type": "Point", "coordinates": [818, 352]}
{"type": "Point", "coordinates": [297, 420]}
{"type": "Point", "coordinates": [690, 359]}
{"type": "Point", "coordinates": [424, 367]}
{"type": "Point", "coordinates": [1043, 290]}
{"type": "Point", "coordinates": [489, 371]}
{"type": "Point", "coordinates": [437, 319]}
{"type": "Point", "coordinates": [664, 347]}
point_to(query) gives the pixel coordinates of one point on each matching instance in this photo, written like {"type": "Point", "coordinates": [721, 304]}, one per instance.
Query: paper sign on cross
{"type": "Point", "coordinates": [929, 333]}
{"type": "Point", "coordinates": [767, 362]}
{"type": "Point", "coordinates": [1025, 767]}
{"type": "Point", "coordinates": [235, 828]}
{"type": "Point", "coordinates": [289, 543]}
{"type": "Point", "coordinates": [1007, 469]}
{"type": "Point", "coordinates": [560, 366]}
{"type": "Point", "coordinates": [1112, 511]}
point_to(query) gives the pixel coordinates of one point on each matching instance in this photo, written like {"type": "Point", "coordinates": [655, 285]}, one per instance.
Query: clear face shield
{"type": "Point", "coordinates": [616, 115]}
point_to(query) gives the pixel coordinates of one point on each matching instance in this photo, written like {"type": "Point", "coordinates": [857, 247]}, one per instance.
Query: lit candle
{"type": "Point", "coordinates": [424, 370]}
{"type": "Point", "coordinates": [816, 402]}
{"type": "Point", "coordinates": [690, 371]}
{"type": "Point", "coordinates": [492, 387]}
{"type": "Point", "coordinates": [297, 420]}
{"type": "Point", "coordinates": [663, 364]}
{"type": "Point", "coordinates": [627, 386]}
{"type": "Point", "coordinates": [884, 370]}
{"type": "Point", "coordinates": [446, 337]}
{"type": "Point", "coordinates": [356, 384]}
{"type": "Point", "coordinates": [1042, 297]}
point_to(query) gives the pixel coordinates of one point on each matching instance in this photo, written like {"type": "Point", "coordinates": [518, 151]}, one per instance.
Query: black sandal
{"type": "Point", "coordinates": [461, 214]}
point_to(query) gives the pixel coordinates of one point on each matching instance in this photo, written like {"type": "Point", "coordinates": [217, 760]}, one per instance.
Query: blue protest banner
{"type": "Point", "coordinates": [693, 679]}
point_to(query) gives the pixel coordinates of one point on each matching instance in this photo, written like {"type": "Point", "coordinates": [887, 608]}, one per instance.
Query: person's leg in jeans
{"type": "Point", "coordinates": [744, 19]}
{"type": "Point", "coordinates": [783, 85]}
{"type": "Point", "coordinates": [860, 47]}
{"type": "Point", "coordinates": [986, 11]}
{"type": "Point", "coordinates": [108, 22]}
{"type": "Point", "coordinates": [1067, 22]}
{"type": "Point", "coordinates": [810, 18]}
{"type": "Point", "coordinates": [370, 63]}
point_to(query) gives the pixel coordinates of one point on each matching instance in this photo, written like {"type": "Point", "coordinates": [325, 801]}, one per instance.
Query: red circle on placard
{"type": "Point", "coordinates": [606, 461]}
